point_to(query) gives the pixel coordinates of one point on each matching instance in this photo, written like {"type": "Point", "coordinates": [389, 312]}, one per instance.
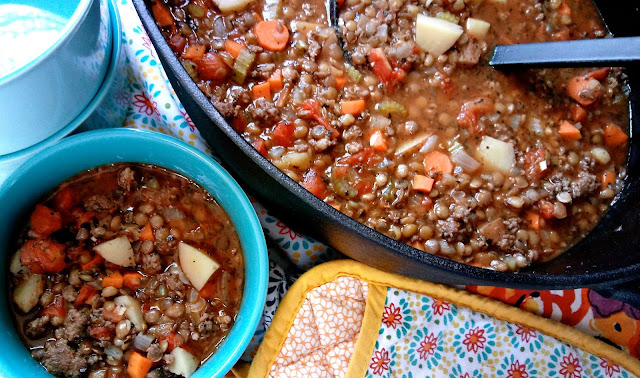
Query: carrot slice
{"type": "Point", "coordinates": [341, 81]}
{"type": "Point", "coordinates": [533, 219]}
{"type": "Point", "coordinates": [378, 141]}
{"type": "Point", "coordinates": [84, 295]}
{"type": "Point", "coordinates": [93, 263]}
{"type": "Point", "coordinates": [578, 114]}
{"type": "Point", "coordinates": [580, 89]}
{"type": "Point", "coordinates": [354, 107]}
{"type": "Point", "coordinates": [614, 136]}
{"type": "Point", "coordinates": [64, 199]}
{"type": "Point", "coordinates": [138, 365]}
{"type": "Point", "coordinates": [272, 35]}
{"type": "Point", "coordinates": [131, 280]}
{"type": "Point", "coordinates": [422, 183]}
{"type": "Point", "coordinates": [313, 182]}
{"type": "Point", "coordinates": [162, 14]}
{"type": "Point", "coordinates": [45, 221]}
{"type": "Point", "coordinates": [568, 131]}
{"type": "Point", "coordinates": [233, 48]}
{"type": "Point", "coordinates": [194, 51]}
{"type": "Point", "coordinates": [262, 90]}
{"type": "Point", "coordinates": [114, 279]}
{"type": "Point", "coordinates": [147, 233]}
{"type": "Point", "coordinates": [608, 179]}
{"type": "Point", "coordinates": [437, 162]}
{"type": "Point", "coordinates": [276, 81]}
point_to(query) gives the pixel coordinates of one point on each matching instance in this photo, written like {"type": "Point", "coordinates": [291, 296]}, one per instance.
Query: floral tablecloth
{"type": "Point", "coordinates": [153, 105]}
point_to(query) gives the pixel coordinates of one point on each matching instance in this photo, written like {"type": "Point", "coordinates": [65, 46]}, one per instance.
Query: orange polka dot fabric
{"type": "Point", "coordinates": [322, 337]}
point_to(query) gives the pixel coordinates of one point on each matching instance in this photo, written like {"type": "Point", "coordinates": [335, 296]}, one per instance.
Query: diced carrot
{"type": "Point", "coordinates": [86, 293]}
{"type": "Point", "coordinates": [608, 179]}
{"type": "Point", "coordinates": [283, 134]}
{"type": "Point", "coordinates": [194, 51]}
{"type": "Point", "coordinates": [422, 183]}
{"type": "Point", "coordinates": [276, 81]}
{"type": "Point", "coordinates": [147, 233]}
{"type": "Point", "coordinates": [341, 81]}
{"type": "Point", "coordinates": [546, 209]}
{"type": "Point", "coordinates": [95, 261]}
{"type": "Point", "coordinates": [43, 256]}
{"type": "Point", "coordinates": [138, 365]}
{"type": "Point", "coordinates": [578, 114]}
{"type": "Point", "coordinates": [378, 141]}
{"type": "Point", "coordinates": [45, 221]}
{"type": "Point", "coordinates": [64, 200]}
{"type": "Point", "coordinates": [56, 308]}
{"type": "Point", "coordinates": [354, 107]}
{"type": "Point", "coordinates": [272, 35]}
{"type": "Point", "coordinates": [233, 48]}
{"type": "Point", "coordinates": [436, 162]}
{"type": "Point", "coordinates": [564, 8]}
{"type": "Point", "coordinates": [312, 181]}
{"type": "Point", "coordinates": [132, 280]}
{"type": "Point", "coordinates": [614, 136]}
{"type": "Point", "coordinates": [212, 67]}
{"type": "Point", "coordinates": [114, 280]}
{"type": "Point", "coordinates": [262, 90]}
{"type": "Point", "coordinates": [533, 219]}
{"type": "Point", "coordinates": [162, 14]}
{"type": "Point", "coordinates": [568, 131]}
{"type": "Point", "coordinates": [260, 146]}
{"type": "Point", "coordinates": [584, 89]}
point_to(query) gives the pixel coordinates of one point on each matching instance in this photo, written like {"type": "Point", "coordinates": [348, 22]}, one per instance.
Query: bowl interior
{"type": "Point", "coordinates": [83, 151]}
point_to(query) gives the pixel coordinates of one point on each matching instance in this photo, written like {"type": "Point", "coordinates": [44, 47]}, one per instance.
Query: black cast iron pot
{"type": "Point", "coordinates": [607, 259]}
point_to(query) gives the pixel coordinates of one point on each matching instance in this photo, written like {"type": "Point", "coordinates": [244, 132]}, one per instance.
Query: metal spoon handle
{"type": "Point", "coordinates": [605, 52]}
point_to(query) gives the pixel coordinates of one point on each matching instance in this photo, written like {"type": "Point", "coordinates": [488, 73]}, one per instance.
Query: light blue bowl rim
{"type": "Point", "coordinates": [116, 31]}
{"type": "Point", "coordinates": [73, 23]}
{"type": "Point", "coordinates": [184, 158]}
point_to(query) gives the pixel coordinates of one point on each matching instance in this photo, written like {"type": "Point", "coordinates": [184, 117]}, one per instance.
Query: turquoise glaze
{"type": "Point", "coordinates": [21, 191]}
{"type": "Point", "coordinates": [10, 162]}
{"type": "Point", "coordinates": [44, 95]}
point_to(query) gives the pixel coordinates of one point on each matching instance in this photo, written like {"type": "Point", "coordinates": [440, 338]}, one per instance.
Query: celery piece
{"type": "Point", "coordinates": [353, 73]}
{"type": "Point", "coordinates": [391, 108]}
{"type": "Point", "coordinates": [242, 65]}
{"type": "Point", "coordinates": [195, 11]}
{"type": "Point", "coordinates": [448, 16]}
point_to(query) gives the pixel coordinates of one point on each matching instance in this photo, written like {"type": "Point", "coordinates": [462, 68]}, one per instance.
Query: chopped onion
{"type": "Point", "coordinates": [464, 160]}
{"type": "Point", "coordinates": [535, 126]}
{"type": "Point", "coordinates": [113, 351]}
{"type": "Point", "coordinates": [171, 213]}
{"type": "Point", "coordinates": [430, 144]}
{"type": "Point", "coordinates": [378, 122]}
{"type": "Point", "coordinates": [142, 341]}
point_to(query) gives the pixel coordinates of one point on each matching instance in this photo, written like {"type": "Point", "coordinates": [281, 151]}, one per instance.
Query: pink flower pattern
{"type": "Point", "coordinates": [474, 339]}
{"type": "Point", "coordinates": [285, 230]}
{"type": "Point", "coordinates": [428, 346]}
{"type": "Point", "coordinates": [517, 370]}
{"type": "Point", "coordinates": [380, 361]}
{"type": "Point", "coordinates": [391, 317]}
{"type": "Point", "coordinates": [440, 306]}
{"type": "Point", "coordinates": [145, 104]}
{"type": "Point", "coordinates": [525, 333]}
{"type": "Point", "coordinates": [570, 366]}
{"type": "Point", "coordinates": [609, 367]}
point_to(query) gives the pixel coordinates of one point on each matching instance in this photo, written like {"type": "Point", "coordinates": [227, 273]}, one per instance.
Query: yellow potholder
{"type": "Point", "coordinates": [344, 318]}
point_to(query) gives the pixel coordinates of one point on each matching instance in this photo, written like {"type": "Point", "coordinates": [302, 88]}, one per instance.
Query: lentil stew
{"type": "Point", "coordinates": [414, 136]}
{"type": "Point", "coordinates": [126, 270]}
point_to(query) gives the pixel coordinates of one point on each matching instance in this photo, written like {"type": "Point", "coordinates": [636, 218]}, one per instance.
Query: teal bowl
{"type": "Point", "coordinates": [53, 59]}
{"type": "Point", "coordinates": [21, 191]}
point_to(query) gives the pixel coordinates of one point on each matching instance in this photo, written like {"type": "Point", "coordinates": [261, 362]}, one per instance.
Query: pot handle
{"type": "Point", "coordinates": [627, 292]}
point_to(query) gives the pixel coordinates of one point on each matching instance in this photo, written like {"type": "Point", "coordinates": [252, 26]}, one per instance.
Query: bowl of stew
{"type": "Point", "coordinates": [393, 137]}
{"type": "Point", "coordinates": [127, 253]}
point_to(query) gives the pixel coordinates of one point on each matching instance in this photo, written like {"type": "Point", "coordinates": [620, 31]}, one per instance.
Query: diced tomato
{"type": "Point", "coordinates": [64, 200]}
{"type": "Point", "coordinates": [43, 256]}
{"type": "Point", "coordinates": [260, 146]}
{"type": "Point", "coordinates": [212, 67]}
{"type": "Point", "coordinates": [95, 261]}
{"type": "Point", "coordinates": [177, 43]}
{"type": "Point", "coordinates": [101, 333]}
{"type": "Point", "coordinates": [313, 108]}
{"type": "Point", "coordinates": [56, 308]}
{"type": "Point", "coordinates": [84, 295]}
{"type": "Point", "coordinates": [283, 134]}
{"type": "Point", "coordinates": [365, 156]}
{"type": "Point", "coordinates": [470, 114]}
{"type": "Point", "coordinates": [239, 124]}
{"type": "Point", "coordinates": [381, 67]}
{"type": "Point", "coordinates": [207, 291]}
{"type": "Point", "coordinates": [45, 221]}
{"type": "Point", "coordinates": [546, 209]}
{"type": "Point", "coordinates": [312, 181]}
{"type": "Point", "coordinates": [112, 316]}
{"type": "Point", "coordinates": [535, 165]}
{"type": "Point", "coordinates": [446, 83]}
